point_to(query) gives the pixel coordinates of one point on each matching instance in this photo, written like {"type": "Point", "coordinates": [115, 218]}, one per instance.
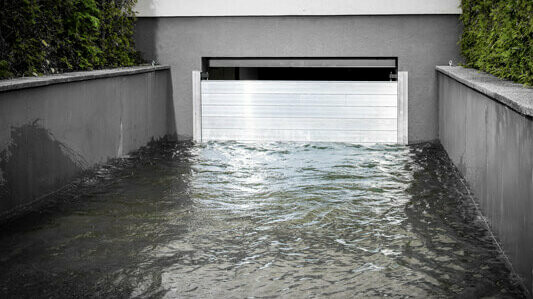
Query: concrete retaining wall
{"type": "Point", "coordinates": [418, 41]}
{"type": "Point", "coordinates": [486, 127]}
{"type": "Point", "coordinates": [53, 127]}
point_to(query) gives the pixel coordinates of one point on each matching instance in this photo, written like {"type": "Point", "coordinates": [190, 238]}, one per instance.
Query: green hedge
{"type": "Point", "coordinates": [498, 38]}
{"type": "Point", "coordinates": [52, 36]}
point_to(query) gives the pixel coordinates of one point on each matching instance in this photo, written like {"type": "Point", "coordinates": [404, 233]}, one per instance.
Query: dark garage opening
{"type": "Point", "coordinates": [348, 69]}
{"type": "Point", "coordinates": [303, 74]}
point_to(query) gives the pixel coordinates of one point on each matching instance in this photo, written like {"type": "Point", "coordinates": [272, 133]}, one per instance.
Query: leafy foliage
{"type": "Point", "coordinates": [498, 38]}
{"type": "Point", "coordinates": [52, 36]}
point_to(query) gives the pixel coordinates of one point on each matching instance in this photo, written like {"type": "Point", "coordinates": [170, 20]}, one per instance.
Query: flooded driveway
{"type": "Point", "coordinates": [240, 220]}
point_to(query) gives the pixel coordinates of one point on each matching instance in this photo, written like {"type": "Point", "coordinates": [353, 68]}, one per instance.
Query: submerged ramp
{"type": "Point", "coordinates": [330, 111]}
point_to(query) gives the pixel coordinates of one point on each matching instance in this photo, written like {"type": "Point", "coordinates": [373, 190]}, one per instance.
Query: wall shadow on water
{"type": "Point", "coordinates": [454, 236]}
{"type": "Point", "coordinates": [110, 223]}
{"type": "Point", "coordinates": [33, 164]}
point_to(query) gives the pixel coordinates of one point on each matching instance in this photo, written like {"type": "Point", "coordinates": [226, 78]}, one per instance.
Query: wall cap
{"type": "Point", "coordinates": [514, 95]}
{"type": "Point", "coordinates": [217, 8]}
{"type": "Point", "coordinates": [29, 82]}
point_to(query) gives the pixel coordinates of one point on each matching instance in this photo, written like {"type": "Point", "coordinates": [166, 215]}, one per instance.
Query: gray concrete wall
{"type": "Point", "coordinates": [51, 130]}
{"type": "Point", "coordinates": [492, 145]}
{"type": "Point", "coordinates": [419, 41]}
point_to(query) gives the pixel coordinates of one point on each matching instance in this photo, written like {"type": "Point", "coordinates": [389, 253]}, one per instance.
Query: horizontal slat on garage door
{"type": "Point", "coordinates": [298, 87]}
{"type": "Point", "coordinates": [371, 124]}
{"type": "Point", "coordinates": [360, 112]}
{"type": "Point", "coordinates": [298, 111]}
{"type": "Point", "coordinates": [299, 99]}
{"type": "Point", "coordinates": [300, 135]}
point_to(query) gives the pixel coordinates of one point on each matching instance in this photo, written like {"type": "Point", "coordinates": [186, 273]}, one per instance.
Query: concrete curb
{"type": "Point", "coordinates": [513, 95]}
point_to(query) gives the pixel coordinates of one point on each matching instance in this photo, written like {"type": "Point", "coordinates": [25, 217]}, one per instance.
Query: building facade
{"type": "Point", "coordinates": [220, 37]}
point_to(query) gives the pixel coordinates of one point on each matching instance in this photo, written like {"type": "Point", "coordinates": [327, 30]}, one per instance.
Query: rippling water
{"type": "Point", "coordinates": [259, 220]}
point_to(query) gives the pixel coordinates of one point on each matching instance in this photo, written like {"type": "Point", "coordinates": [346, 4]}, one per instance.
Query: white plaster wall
{"type": "Point", "coordinates": [179, 8]}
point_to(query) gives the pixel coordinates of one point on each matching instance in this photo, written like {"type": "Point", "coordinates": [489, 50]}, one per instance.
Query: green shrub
{"type": "Point", "coordinates": [498, 38]}
{"type": "Point", "coordinates": [53, 36]}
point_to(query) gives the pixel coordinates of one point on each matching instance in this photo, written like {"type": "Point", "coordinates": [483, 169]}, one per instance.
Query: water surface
{"type": "Point", "coordinates": [240, 220]}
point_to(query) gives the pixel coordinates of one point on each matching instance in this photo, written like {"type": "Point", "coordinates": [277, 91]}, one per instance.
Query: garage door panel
{"type": "Point", "coordinates": [299, 111]}
{"type": "Point", "coordinates": [359, 112]}
{"type": "Point", "coordinates": [299, 99]}
{"type": "Point", "coordinates": [298, 87]}
{"type": "Point", "coordinates": [384, 124]}
{"type": "Point", "coordinates": [300, 135]}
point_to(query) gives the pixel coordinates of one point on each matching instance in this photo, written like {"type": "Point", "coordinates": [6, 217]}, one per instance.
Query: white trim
{"type": "Point", "coordinates": [403, 108]}
{"type": "Point", "coordinates": [197, 106]}
{"type": "Point", "coordinates": [190, 8]}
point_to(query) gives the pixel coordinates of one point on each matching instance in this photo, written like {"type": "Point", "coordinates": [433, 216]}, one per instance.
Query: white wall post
{"type": "Point", "coordinates": [197, 105]}
{"type": "Point", "coordinates": [403, 108]}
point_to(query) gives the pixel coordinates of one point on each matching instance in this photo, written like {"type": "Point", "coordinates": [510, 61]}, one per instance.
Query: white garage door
{"type": "Point", "coordinates": [333, 111]}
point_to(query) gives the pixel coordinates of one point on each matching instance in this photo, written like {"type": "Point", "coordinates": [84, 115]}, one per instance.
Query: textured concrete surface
{"type": "Point", "coordinates": [50, 132]}
{"type": "Point", "coordinates": [26, 82]}
{"type": "Point", "coordinates": [514, 95]}
{"type": "Point", "coordinates": [492, 145]}
{"type": "Point", "coordinates": [418, 41]}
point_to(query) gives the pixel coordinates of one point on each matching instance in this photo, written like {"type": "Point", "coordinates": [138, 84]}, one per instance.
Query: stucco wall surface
{"type": "Point", "coordinates": [492, 145]}
{"type": "Point", "coordinates": [50, 132]}
{"type": "Point", "coordinates": [418, 41]}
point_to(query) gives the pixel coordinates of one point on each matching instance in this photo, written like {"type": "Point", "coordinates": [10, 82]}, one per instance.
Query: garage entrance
{"type": "Point", "coordinates": [301, 100]}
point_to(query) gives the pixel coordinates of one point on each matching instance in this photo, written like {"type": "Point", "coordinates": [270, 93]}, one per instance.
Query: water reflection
{"type": "Point", "coordinates": [279, 219]}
